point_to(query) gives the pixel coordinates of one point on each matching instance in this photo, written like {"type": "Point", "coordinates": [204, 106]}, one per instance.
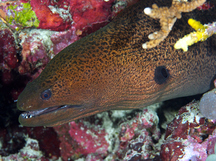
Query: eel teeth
{"type": "Point", "coordinates": [30, 114]}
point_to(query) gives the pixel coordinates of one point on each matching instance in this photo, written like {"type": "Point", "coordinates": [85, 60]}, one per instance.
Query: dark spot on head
{"type": "Point", "coordinates": [161, 74]}
{"type": "Point", "coordinates": [45, 95]}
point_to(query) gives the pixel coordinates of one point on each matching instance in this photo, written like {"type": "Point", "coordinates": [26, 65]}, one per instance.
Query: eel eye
{"type": "Point", "coordinates": [45, 95]}
{"type": "Point", "coordinates": [161, 74]}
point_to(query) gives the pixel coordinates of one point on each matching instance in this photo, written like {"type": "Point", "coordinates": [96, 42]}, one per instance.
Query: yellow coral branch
{"type": "Point", "coordinates": [167, 18]}
{"type": "Point", "coordinates": [201, 34]}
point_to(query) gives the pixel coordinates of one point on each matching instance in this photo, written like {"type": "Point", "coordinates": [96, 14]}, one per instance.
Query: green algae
{"type": "Point", "coordinates": [2, 25]}
{"type": "Point", "coordinates": [25, 17]}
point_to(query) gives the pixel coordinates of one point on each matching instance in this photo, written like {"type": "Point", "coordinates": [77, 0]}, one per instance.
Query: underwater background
{"type": "Point", "coordinates": [32, 32]}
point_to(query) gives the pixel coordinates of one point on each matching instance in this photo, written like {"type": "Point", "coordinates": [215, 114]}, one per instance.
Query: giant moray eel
{"type": "Point", "coordinates": [109, 70]}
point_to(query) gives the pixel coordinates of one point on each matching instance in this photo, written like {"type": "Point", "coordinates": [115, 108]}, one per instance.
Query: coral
{"type": "Point", "coordinates": [48, 140]}
{"type": "Point", "coordinates": [212, 150]}
{"type": "Point", "coordinates": [60, 15]}
{"type": "Point", "coordinates": [29, 152]}
{"type": "Point", "coordinates": [39, 14]}
{"type": "Point", "coordinates": [201, 34]}
{"type": "Point", "coordinates": [62, 39]}
{"type": "Point", "coordinates": [8, 54]}
{"type": "Point", "coordinates": [98, 137]}
{"type": "Point", "coordinates": [116, 135]}
{"type": "Point", "coordinates": [168, 17]}
{"type": "Point", "coordinates": [50, 19]}
{"type": "Point", "coordinates": [25, 53]}
{"type": "Point", "coordinates": [93, 157]}
{"type": "Point", "coordinates": [11, 143]}
{"type": "Point", "coordinates": [9, 61]}
{"type": "Point", "coordinates": [137, 135]}
{"type": "Point", "coordinates": [13, 137]}
{"type": "Point", "coordinates": [140, 147]}
{"type": "Point", "coordinates": [22, 15]}
{"type": "Point", "coordinates": [79, 139]}
{"type": "Point", "coordinates": [18, 15]}
{"type": "Point", "coordinates": [89, 12]}
{"type": "Point", "coordinates": [91, 140]}
{"type": "Point", "coordinates": [185, 135]}
{"type": "Point", "coordinates": [35, 52]}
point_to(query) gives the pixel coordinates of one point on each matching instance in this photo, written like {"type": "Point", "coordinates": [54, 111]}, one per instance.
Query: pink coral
{"type": "Point", "coordinates": [62, 39]}
{"type": "Point", "coordinates": [48, 140]}
{"type": "Point", "coordinates": [29, 152]}
{"type": "Point", "coordinates": [90, 140]}
{"type": "Point", "coordinates": [9, 61]}
{"type": "Point", "coordinates": [8, 55]}
{"type": "Point", "coordinates": [135, 140]}
{"type": "Point", "coordinates": [34, 54]}
{"type": "Point", "coordinates": [94, 139]}
{"type": "Point", "coordinates": [89, 12]}
{"type": "Point", "coordinates": [59, 15]}
{"type": "Point", "coordinates": [184, 136]}
{"type": "Point", "coordinates": [48, 19]}
{"type": "Point", "coordinates": [79, 139]}
{"type": "Point", "coordinates": [140, 147]}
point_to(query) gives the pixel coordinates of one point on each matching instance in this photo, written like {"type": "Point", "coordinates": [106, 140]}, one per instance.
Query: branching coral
{"type": "Point", "coordinates": [201, 34]}
{"type": "Point", "coordinates": [168, 17]}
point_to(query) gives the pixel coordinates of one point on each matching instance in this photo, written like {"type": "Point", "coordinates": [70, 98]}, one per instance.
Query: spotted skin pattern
{"type": "Point", "coordinates": [109, 69]}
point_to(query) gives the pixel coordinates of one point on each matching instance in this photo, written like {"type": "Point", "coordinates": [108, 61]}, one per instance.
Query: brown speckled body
{"type": "Point", "coordinates": [109, 69]}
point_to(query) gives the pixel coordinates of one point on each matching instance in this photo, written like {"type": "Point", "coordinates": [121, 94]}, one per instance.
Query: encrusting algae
{"type": "Point", "coordinates": [26, 17]}
{"type": "Point", "coordinates": [168, 17]}
{"type": "Point", "coordinates": [21, 15]}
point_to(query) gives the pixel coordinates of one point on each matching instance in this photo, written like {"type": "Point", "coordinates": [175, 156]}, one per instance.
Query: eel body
{"type": "Point", "coordinates": [109, 70]}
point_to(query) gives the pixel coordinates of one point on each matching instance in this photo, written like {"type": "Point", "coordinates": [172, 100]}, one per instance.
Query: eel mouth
{"type": "Point", "coordinates": [30, 114]}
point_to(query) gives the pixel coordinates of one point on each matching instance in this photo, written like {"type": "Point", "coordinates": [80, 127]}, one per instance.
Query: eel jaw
{"type": "Point", "coordinates": [35, 113]}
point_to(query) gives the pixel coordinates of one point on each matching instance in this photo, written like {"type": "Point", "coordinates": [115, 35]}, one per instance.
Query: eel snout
{"type": "Point", "coordinates": [50, 115]}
